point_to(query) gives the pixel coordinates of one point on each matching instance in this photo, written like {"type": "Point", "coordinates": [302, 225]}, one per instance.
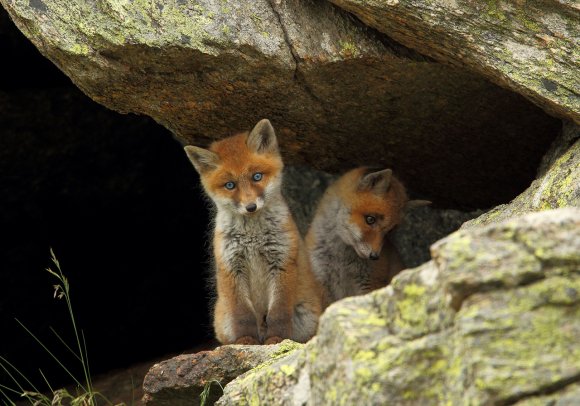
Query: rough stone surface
{"type": "Point", "coordinates": [340, 94]}
{"type": "Point", "coordinates": [558, 183]}
{"type": "Point", "coordinates": [530, 47]}
{"type": "Point", "coordinates": [182, 379]}
{"type": "Point", "coordinates": [493, 319]}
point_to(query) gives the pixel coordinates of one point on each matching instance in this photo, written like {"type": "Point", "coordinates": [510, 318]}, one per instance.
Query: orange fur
{"type": "Point", "coordinates": [385, 206]}
{"type": "Point", "coordinates": [263, 282]}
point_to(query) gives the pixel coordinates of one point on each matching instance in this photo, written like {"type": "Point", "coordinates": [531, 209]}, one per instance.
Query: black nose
{"type": "Point", "coordinates": [374, 256]}
{"type": "Point", "coordinates": [251, 207]}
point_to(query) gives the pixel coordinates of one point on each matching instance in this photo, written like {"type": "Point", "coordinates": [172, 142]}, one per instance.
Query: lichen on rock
{"type": "Point", "coordinates": [493, 319]}
{"type": "Point", "coordinates": [182, 379]}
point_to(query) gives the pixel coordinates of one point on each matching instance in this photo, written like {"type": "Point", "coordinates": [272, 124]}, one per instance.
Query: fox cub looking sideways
{"type": "Point", "coordinates": [266, 290]}
{"type": "Point", "coordinates": [350, 251]}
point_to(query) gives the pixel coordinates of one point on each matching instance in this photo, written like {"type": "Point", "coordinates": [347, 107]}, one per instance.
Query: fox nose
{"type": "Point", "coordinates": [374, 256]}
{"type": "Point", "coordinates": [251, 207]}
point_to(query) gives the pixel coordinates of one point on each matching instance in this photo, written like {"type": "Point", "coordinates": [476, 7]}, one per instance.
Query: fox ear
{"type": "Point", "coordinates": [202, 159]}
{"type": "Point", "coordinates": [378, 182]}
{"type": "Point", "coordinates": [262, 138]}
{"type": "Point", "coordinates": [411, 204]}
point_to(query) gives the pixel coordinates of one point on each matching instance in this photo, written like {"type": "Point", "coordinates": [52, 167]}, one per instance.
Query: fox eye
{"type": "Point", "coordinates": [257, 176]}
{"type": "Point", "coordinates": [230, 185]}
{"type": "Point", "coordinates": [370, 220]}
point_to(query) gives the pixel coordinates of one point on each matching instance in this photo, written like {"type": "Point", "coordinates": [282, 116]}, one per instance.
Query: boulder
{"type": "Point", "coordinates": [494, 318]}
{"type": "Point", "coordinates": [181, 380]}
{"type": "Point", "coordinates": [529, 47]}
{"type": "Point", "coordinates": [339, 93]}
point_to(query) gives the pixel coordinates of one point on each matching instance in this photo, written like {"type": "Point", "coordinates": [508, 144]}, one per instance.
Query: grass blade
{"type": "Point", "coordinates": [65, 344]}
{"type": "Point", "coordinates": [51, 354]}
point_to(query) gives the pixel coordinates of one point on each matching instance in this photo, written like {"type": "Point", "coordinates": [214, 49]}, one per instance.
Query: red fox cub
{"type": "Point", "coordinates": [266, 290]}
{"type": "Point", "coordinates": [349, 248]}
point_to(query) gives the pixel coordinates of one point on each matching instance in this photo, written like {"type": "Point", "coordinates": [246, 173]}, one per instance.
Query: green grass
{"type": "Point", "coordinates": [206, 390]}
{"type": "Point", "coordinates": [84, 395]}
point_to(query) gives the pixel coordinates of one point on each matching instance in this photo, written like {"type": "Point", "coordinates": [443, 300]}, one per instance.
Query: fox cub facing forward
{"type": "Point", "coordinates": [265, 288]}
{"type": "Point", "coordinates": [350, 251]}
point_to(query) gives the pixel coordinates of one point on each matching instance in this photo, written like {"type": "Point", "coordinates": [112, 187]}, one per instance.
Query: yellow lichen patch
{"type": "Point", "coordinates": [348, 49]}
{"type": "Point", "coordinates": [288, 369]}
{"type": "Point", "coordinates": [414, 290]}
{"type": "Point", "coordinates": [364, 355]}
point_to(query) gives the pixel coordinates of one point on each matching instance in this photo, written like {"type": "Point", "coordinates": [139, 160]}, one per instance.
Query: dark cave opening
{"type": "Point", "coordinates": [118, 201]}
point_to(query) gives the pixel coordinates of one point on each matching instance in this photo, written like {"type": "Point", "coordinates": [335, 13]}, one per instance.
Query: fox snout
{"type": "Point", "coordinates": [251, 207]}
{"type": "Point", "coordinates": [367, 250]}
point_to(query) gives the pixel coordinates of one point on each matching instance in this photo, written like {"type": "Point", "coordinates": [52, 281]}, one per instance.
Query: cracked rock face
{"type": "Point", "coordinates": [493, 319]}
{"type": "Point", "coordinates": [339, 93]}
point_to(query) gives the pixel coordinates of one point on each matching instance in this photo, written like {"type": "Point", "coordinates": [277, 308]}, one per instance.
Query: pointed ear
{"type": "Point", "coordinates": [262, 138]}
{"type": "Point", "coordinates": [202, 159]}
{"type": "Point", "coordinates": [411, 204]}
{"type": "Point", "coordinates": [378, 182]}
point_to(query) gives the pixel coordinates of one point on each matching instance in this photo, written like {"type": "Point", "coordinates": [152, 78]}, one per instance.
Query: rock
{"type": "Point", "coordinates": [339, 93]}
{"type": "Point", "coordinates": [531, 48]}
{"type": "Point", "coordinates": [182, 379]}
{"type": "Point", "coordinates": [558, 184]}
{"type": "Point", "coordinates": [493, 319]}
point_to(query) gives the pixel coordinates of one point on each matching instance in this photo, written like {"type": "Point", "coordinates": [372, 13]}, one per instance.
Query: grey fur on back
{"type": "Point", "coordinates": [334, 263]}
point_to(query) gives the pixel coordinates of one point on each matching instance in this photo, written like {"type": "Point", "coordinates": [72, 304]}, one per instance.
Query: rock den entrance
{"type": "Point", "coordinates": [116, 198]}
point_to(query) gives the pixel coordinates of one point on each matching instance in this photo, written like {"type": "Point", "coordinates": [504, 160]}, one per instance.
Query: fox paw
{"type": "Point", "coordinates": [273, 340]}
{"type": "Point", "coordinates": [247, 340]}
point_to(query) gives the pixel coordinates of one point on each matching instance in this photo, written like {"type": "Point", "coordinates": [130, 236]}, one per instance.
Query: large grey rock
{"type": "Point", "coordinates": [340, 94]}
{"type": "Point", "coordinates": [493, 319]}
{"type": "Point", "coordinates": [532, 47]}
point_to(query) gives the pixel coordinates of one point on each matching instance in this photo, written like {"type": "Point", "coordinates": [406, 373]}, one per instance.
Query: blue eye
{"type": "Point", "coordinates": [257, 176]}
{"type": "Point", "coordinates": [230, 185]}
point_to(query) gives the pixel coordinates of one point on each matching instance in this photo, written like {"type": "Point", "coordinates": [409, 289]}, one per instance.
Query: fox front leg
{"type": "Point", "coordinates": [278, 321]}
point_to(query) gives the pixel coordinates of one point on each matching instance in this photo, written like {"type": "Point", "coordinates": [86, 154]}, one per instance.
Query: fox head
{"type": "Point", "coordinates": [373, 204]}
{"type": "Point", "coordinates": [243, 172]}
